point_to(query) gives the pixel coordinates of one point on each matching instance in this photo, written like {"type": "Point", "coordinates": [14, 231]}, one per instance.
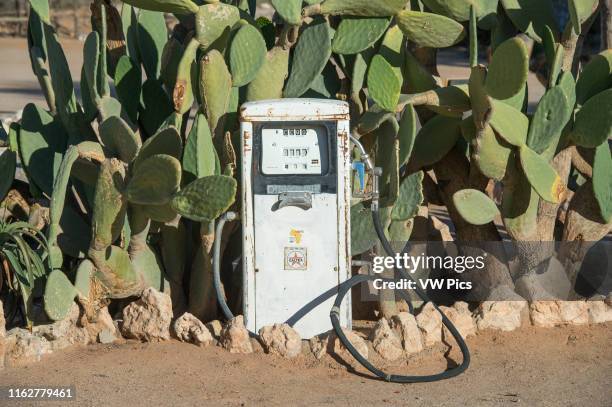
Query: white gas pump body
{"type": "Point", "coordinates": [296, 195]}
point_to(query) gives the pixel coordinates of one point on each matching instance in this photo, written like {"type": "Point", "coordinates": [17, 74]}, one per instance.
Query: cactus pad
{"type": "Point", "coordinates": [363, 234]}
{"type": "Point", "coordinates": [119, 139]}
{"type": "Point", "coordinates": [508, 69]}
{"type": "Point", "coordinates": [551, 116]}
{"type": "Point", "coordinates": [383, 84]}
{"type": "Point", "coordinates": [206, 198]}
{"type": "Point", "coordinates": [59, 295]}
{"type": "Point", "coordinates": [246, 55]}
{"type": "Point", "coordinates": [269, 82]}
{"type": "Point", "coordinates": [475, 207]}
{"type": "Point", "coordinates": [8, 164]}
{"type": "Point", "coordinates": [199, 153]}
{"type": "Point", "coordinates": [602, 180]}
{"type": "Point", "coordinates": [215, 87]}
{"type": "Point", "coordinates": [357, 34]}
{"type": "Point", "coordinates": [580, 11]}
{"type": "Point", "coordinates": [363, 8]}
{"type": "Point", "coordinates": [509, 123]}
{"type": "Point", "coordinates": [42, 141]}
{"type": "Point", "coordinates": [152, 37]}
{"type": "Point", "coordinates": [109, 205]}
{"type": "Point", "coordinates": [213, 21]}
{"type": "Point", "coordinates": [594, 122]}
{"type": "Point", "coordinates": [128, 86]}
{"type": "Point", "coordinates": [435, 139]}
{"type": "Point", "coordinates": [595, 77]}
{"type": "Point", "coordinates": [542, 177]}
{"type": "Point", "coordinates": [182, 94]}
{"type": "Point", "coordinates": [407, 133]}
{"type": "Point", "coordinates": [429, 30]}
{"type": "Point", "coordinates": [311, 54]}
{"type": "Point", "coordinates": [491, 154]}
{"type": "Point", "coordinates": [82, 280]}
{"type": "Point", "coordinates": [531, 17]}
{"type": "Point", "coordinates": [289, 10]}
{"type": "Point", "coordinates": [166, 141]}
{"type": "Point", "coordinates": [410, 197]}
{"type": "Point", "coordinates": [155, 181]}
{"type": "Point", "coordinates": [166, 6]}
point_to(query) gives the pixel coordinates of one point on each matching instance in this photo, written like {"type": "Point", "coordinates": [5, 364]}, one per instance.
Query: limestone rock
{"type": "Point", "coordinates": [505, 313]}
{"type": "Point", "coordinates": [599, 312]}
{"type": "Point", "coordinates": [64, 333]}
{"type": "Point", "coordinates": [405, 325]}
{"type": "Point", "coordinates": [281, 339]}
{"type": "Point", "coordinates": [357, 341]}
{"type": "Point", "coordinates": [552, 313]}
{"type": "Point", "coordinates": [24, 348]}
{"type": "Point", "coordinates": [103, 328]}
{"type": "Point", "coordinates": [461, 316]}
{"type": "Point", "coordinates": [319, 345]}
{"type": "Point", "coordinates": [148, 318]}
{"type": "Point", "coordinates": [190, 329]}
{"type": "Point", "coordinates": [215, 327]}
{"type": "Point", "coordinates": [429, 322]}
{"type": "Point", "coordinates": [235, 337]}
{"type": "Point", "coordinates": [385, 341]}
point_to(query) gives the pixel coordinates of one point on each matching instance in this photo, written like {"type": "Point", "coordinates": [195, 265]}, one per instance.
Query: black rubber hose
{"type": "Point", "coordinates": [335, 320]}
{"type": "Point", "coordinates": [228, 216]}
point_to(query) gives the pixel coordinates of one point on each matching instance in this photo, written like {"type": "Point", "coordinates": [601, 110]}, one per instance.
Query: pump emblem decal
{"type": "Point", "coordinates": [295, 236]}
{"type": "Point", "coordinates": [296, 258]}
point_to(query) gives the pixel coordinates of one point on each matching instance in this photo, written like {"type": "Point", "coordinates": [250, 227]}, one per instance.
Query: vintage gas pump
{"type": "Point", "coordinates": [295, 205]}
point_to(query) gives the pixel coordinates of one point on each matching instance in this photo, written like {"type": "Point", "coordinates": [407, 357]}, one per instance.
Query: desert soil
{"type": "Point", "coordinates": [564, 366]}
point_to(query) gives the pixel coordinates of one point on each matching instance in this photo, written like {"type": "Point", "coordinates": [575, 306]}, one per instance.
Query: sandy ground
{"type": "Point", "coordinates": [18, 85]}
{"type": "Point", "coordinates": [566, 366]}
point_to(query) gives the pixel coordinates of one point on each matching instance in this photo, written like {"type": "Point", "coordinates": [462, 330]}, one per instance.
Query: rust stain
{"type": "Point", "coordinates": [178, 95]}
{"type": "Point", "coordinates": [558, 190]}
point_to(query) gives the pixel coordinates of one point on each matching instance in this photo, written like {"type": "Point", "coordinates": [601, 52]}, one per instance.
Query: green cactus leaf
{"type": "Point", "coordinates": [384, 86]}
{"type": "Point", "coordinates": [109, 206]}
{"type": "Point", "coordinates": [269, 82]}
{"type": "Point", "coordinates": [327, 85]}
{"type": "Point", "coordinates": [508, 69]}
{"type": "Point", "coordinates": [310, 57]}
{"type": "Point", "coordinates": [393, 50]}
{"type": "Point", "coordinates": [602, 180]}
{"type": "Point", "coordinates": [155, 106]}
{"type": "Point", "coordinates": [172, 55]}
{"type": "Point", "coordinates": [400, 230]}
{"type": "Point", "coordinates": [41, 7]}
{"type": "Point", "coordinates": [479, 99]}
{"type": "Point", "coordinates": [91, 49]}
{"type": "Point", "coordinates": [360, 69]}
{"type": "Point", "coordinates": [214, 21]}
{"type": "Point", "coordinates": [459, 10]}
{"type": "Point", "coordinates": [182, 94]}
{"type": "Point", "coordinates": [246, 55]}
{"type": "Point", "coordinates": [119, 139]}
{"type": "Point", "coordinates": [123, 280]}
{"type": "Point", "coordinates": [490, 153]}
{"type": "Point", "coordinates": [595, 77]}
{"type": "Point", "coordinates": [387, 152]}
{"type": "Point", "coordinates": [166, 6]}
{"type": "Point", "coordinates": [147, 263]}
{"type": "Point", "coordinates": [206, 198]}
{"type": "Point", "coordinates": [407, 133]}
{"type": "Point", "coordinates": [357, 34]}
{"type": "Point", "coordinates": [568, 86]}
{"type": "Point", "coordinates": [42, 142]}
{"type": "Point", "coordinates": [109, 107]}
{"type": "Point", "coordinates": [473, 30]}
{"type": "Point", "coordinates": [542, 177]}
{"type": "Point", "coordinates": [429, 30]}
{"type": "Point", "coordinates": [74, 234]}
{"type": "Point", "coordinates": [128, 86]}
{"type": "Point", "coordinates": [59, 295]}
{"type": "Point", "coordinates": [551, 116]}
{"type": "Point", "coordinates": [199, 154]}
{"type": "Point", "coordinates": [372, 119]}
{"type": "Point", "coordinates": [158, 213]}
{"type": "Point", "coordinates": [152, 37]}
{"type": "Point", "coordinates": [593, 123]}
{"type": "Point", "coordinates": [8, 165]}
{"type": "Point", "coordinates": [82, 280]}
{"type": "Point", "coordinates": [416, 78]}
{"type": "Point", "coordinates": [155, 181]}
{"type": "Point", "coordinates": [363, 8]}
{"type": "Point", "coordinates": [448, 101]}
{"type": "Point", "coordinates": [363, 234]}
{"type": "Point", "coordinates": [289, 10]}
{"type": "Point", "coordinates": [215, 87]}
{"type": "Point", "coordinates": [519, 203]}
{"type": "Point", "coordinates": [475, 207]}
{"type": "Point", "coordinates": [580, 11]}
{"type": "Point", "coordinates": [531, 17]}
{"type": "Point", "coordinates": [435, 139]}
{"type": "Point", "coordinates": [166, 141]}
{"type": "Point", "coordinates": [410, 197]}
{"type": "Point", "coordinates": [509, 123]}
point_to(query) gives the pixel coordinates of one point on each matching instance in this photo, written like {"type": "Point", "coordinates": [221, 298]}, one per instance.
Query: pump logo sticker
{"type": "Point", "coordinates": [296, 258]}
{"type": "Point", "coordinates": [295, 236]}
